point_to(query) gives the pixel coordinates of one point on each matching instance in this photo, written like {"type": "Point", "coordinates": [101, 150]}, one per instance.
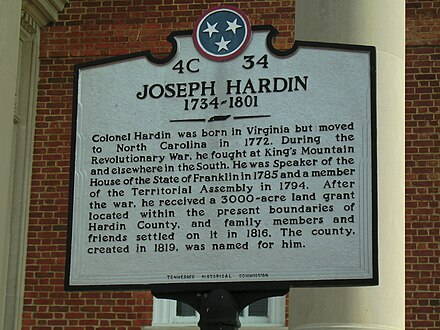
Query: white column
{"type": "Point", "coordinates": [9, 44]}
{"type": "Point", "coordinates": [381, 24]}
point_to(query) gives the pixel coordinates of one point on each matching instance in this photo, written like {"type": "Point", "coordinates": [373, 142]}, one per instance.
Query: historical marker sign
{"type": "Point", "coordinates": [227, 162]}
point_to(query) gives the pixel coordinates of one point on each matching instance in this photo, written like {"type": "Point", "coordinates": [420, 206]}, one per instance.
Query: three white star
{"type": "Point", "coordinates": [233, 26]}
{"type": "Point", "coordinates": [222, 44]}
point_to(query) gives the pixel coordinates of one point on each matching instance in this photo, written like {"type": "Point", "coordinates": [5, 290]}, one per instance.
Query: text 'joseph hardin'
{"type": "Point", "coordinates": [233, 87]}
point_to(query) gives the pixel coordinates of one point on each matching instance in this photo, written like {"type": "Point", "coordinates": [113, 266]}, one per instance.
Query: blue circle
{"type": "Point", "coordinates": [233, 39]}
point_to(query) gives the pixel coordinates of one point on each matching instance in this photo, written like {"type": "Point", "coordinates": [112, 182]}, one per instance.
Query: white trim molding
{"type": "Point", "coordinates": [43, 11]}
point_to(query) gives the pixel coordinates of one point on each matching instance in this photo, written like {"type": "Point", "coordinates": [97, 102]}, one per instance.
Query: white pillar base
{"type": "Point", "coordinates": [323, 326]}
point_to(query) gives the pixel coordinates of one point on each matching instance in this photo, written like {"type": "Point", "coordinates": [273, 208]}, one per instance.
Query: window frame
{"type": "Point", "coordinates": [164, 314]}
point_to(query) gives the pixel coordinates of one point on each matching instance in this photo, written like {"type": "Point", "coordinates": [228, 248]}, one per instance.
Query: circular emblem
{"type": "Point", "coordinates": [222, 33]}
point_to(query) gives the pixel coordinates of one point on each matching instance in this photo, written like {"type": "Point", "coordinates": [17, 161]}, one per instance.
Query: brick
{"type": "Point", "coordinates": [89, 30]}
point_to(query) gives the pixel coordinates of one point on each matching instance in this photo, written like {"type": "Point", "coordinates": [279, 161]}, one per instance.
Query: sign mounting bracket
{"type": "Point", "coordinates": [219, 308]}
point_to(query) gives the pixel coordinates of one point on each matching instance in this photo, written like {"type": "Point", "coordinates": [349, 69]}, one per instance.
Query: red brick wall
{"type": "Point", "coordinates": [88, 30]}
{"type": "Point", "coordinates": [94, 29]}
{"type": "Point", "coordinates": [423, 165]}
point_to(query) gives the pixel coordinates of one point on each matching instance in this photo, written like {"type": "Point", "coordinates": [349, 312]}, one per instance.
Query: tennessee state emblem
{"type": "Point", "coordinates": [222, 33]}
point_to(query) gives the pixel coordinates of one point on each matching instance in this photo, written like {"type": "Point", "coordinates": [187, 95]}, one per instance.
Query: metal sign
{"type": "Point", "coordinates": [226, 163]}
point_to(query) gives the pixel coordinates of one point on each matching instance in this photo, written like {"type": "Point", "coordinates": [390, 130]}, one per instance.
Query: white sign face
{"type": "Point", "coordinates": [257, 167]}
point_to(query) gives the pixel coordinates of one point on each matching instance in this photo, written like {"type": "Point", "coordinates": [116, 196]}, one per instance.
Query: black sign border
{"type": "Point", "coordinates": [173, 287]}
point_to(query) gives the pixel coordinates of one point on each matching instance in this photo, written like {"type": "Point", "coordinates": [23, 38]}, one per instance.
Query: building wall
{"type": "Point", "coordinates": [9, 53]}
{"type": "Point", "coordinates": [88, 30]}
{"type": "Point", "coordinates": [423, 165]}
